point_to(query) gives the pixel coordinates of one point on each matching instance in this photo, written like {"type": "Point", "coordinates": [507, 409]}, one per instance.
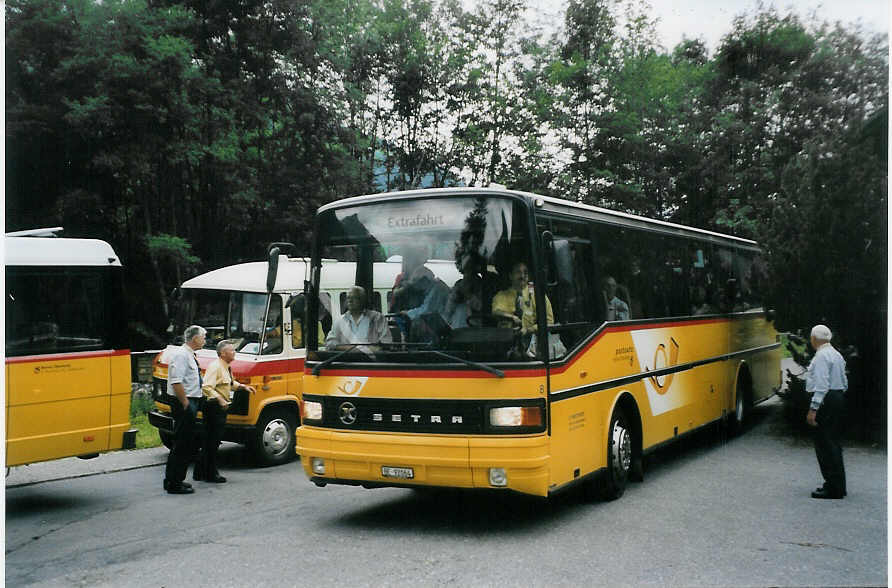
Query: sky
{"type": "Point", "coordinates": [709, 20]}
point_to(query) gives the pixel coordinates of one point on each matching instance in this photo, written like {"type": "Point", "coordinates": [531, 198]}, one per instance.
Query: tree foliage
{"type": "Point", "coordinates": [191, 133]}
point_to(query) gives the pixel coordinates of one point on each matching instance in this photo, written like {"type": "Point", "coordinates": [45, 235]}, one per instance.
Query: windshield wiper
{"type": "Point", "coordinates": [481, 366]}
{"type": "Point", "coordinates": [352, 346]}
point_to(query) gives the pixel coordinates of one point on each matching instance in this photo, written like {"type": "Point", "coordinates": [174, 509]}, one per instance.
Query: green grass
{"type": "Point", "coordinates": [785, 341]}
{"type": "Point", "coordinates": [146, 434]}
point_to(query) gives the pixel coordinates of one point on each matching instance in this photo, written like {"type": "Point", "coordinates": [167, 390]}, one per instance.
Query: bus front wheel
{"type": "Point", "coordinates": [619, 456]}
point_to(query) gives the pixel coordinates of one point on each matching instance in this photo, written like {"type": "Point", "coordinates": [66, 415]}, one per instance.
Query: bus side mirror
{"type": "Point", "coordinates": [272, 269]}
{"type": "Point", "coordinates": [548, 247]}
{"type": "Point", "coordinates": [559, 260]}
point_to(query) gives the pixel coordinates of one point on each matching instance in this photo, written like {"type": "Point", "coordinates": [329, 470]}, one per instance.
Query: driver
{"type": "Point", "coordinates": [358, 324]}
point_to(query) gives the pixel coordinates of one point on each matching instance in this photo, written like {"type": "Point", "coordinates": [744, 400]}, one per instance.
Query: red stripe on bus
{"type": "Point", "coordinates": [65, 356]}
{"type": "Point", "coordinates": [416, 373]}
{"type": "Point", "coordinates": [263, 368]}
{"type": "Point", "coordinates": [521, 373]}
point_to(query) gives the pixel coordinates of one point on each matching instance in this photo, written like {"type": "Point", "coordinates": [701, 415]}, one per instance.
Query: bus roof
{"type": "Point", "coordinates": [594, 212]}
{"type": "Point", "coordinates": [53, 251]}
{"type": "Point", "coordinates": [339, 275]}
{"type": "Point", "coordinates": [251, 276]}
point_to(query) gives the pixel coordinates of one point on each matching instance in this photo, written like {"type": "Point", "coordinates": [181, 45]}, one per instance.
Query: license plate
{"type": "Point", "coordinates": [401, 473]}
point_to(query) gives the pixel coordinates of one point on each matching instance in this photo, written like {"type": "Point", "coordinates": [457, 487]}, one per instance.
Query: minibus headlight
{"type": "Point", "coordinates": [312, 410]}
{"type": "Point", "coordinates": [516, 416]}
{"type": "Point", "coordinates": [318, 465]}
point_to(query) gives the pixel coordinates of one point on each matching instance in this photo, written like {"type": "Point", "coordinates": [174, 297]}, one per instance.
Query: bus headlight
{"type": "Point", "coordinates": [312, 410]}
{"type": "Point", "coordinates": [516, 416]}
{"type": "Point", "coordinates": [318, 466]}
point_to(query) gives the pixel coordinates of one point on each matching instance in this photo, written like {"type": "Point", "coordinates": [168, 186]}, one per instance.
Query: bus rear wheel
{"type": "Point", "coordinates": [273, 442]}
{"type": "Point", "coordinates": [619, 456]}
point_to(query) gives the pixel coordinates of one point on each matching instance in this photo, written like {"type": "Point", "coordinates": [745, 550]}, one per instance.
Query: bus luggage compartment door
{"type": "Point", "coordinates": [57, 407]}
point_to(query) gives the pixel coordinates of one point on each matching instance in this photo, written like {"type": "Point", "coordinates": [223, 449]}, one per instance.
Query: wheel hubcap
{"type": "Point", "coordinates": [275, 437]}
{"type": "Point", "coordinates": [622, 448]}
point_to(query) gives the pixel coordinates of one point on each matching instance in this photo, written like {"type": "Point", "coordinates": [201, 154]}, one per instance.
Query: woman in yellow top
{"type": "Point", "coordinates": [517, 304]}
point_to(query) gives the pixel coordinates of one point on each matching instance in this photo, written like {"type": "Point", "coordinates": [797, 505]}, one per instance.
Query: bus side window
{"type": "Point", "coordinates": [572, 293]}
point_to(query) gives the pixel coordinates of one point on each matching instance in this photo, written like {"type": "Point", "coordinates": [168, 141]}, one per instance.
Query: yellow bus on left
{"type": "Point", "coordinates": [67, 360]}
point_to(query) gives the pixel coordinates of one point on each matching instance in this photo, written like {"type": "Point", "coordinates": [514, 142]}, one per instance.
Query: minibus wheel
{"type": "Point", "coordinates": [274, 441]}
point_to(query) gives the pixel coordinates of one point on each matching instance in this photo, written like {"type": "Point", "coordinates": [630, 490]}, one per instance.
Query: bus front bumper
{"type": "Point", "coordinates": [389, 459]}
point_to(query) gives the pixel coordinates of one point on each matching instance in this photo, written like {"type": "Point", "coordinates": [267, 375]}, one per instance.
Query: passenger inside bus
{"type": "Point", "coordinates": [272, 343]}
{"type": "Point", "coordinates": [358, 325]}
{"type": "Point", "coordinates": [472, 294]}
{"type": "Point", "coordinates": [515, 306]}
{"type": "Point", "coordinates": [419, 298]}
{"type": "Point", "coordinates": [617, 308]}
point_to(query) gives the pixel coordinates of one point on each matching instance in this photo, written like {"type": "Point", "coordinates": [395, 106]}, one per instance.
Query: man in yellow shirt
{"type": "Point", "coordinates": [217, 387]}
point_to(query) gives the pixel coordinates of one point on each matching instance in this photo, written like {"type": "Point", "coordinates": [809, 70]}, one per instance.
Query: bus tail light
{"type": "Point", "coordinates": [516, 416]}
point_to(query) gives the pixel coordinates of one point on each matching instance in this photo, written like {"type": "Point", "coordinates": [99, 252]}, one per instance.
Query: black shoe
{"type": "Point", "coordinates": [822, 493]}
{"type": "Point", "coordinates": [218, 479]}
{"type": "Point", "coordinates": [822, 489]}
{"type": "Point", "coordinates": [179, 489]}
{"type": "Point", "coordinates": [186, 484]}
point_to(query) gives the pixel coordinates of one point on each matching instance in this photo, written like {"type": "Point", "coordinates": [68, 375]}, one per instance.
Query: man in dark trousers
{"type": "Point", "coordinates": [218, 385]}
{"type": "Point", "coordinates": [184, 385]}
{"type": "Point", "coordinates": [826, 380]}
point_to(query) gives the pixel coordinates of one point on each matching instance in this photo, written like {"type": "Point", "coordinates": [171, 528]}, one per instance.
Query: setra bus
{"type": "Point", "coordinates": [627, 333]}
{"type": "Point", "coordinates": [67, 360]}
{"type": "Point", "coordinates": [252, 305]}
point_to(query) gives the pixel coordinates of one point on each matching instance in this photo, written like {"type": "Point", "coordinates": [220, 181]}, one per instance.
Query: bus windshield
{"type": "Point", "coordinates": [60, 309]}
{"type": "Point", "coordinates": [463, 291]}
{"type": "Point", "coordinates": [236, 316]}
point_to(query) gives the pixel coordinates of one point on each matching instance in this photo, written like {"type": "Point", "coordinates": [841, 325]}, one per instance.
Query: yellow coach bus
{"type": "Point", "coordinates": [577, 340]}
{"type": "Point", "coordinates": [67, 360]}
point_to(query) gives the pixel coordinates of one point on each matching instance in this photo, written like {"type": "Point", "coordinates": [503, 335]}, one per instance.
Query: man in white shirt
{"type": "Point", "coordinates": [184, 385]}
{"type": "Point", "coordinates": [357, 325]}
{"type": "Point", "coordinates": [826, 380]}
{"type": "Point", "coordinates": [617, 309]}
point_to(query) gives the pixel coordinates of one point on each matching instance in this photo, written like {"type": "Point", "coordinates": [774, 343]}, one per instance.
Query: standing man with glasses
{"type": "Point", "coordinates": [184, 385]}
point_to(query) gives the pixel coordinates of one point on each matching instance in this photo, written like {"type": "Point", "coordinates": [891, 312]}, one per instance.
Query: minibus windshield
{"type": "Point", "coordinates": [235, 316]}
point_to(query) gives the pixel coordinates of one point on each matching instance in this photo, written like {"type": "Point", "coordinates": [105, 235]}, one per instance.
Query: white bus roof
{"type": "Point", "coordinates": [339, 275]}
{"type": "Point", "coordinates": [251, 276]}
{"type": "Point", "coordinates": [49, 251]}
